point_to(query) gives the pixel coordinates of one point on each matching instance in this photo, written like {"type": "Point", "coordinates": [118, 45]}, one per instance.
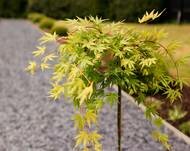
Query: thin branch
{"type": "Point", "coordinates": [119, 116]}
{"type": "Point", "coordinates": [166, 50]}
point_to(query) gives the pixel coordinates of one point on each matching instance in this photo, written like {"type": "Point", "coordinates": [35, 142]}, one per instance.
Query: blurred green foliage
{"type": "Point", "coordinates": [131, 9]}
{"type": "Point", "coordinates": [35, 17]}
{"type": "Point", "coordinates": [61, 9]}
{"type": "Point", "coordinates": [46, 23]}
{"type": "Point", "coordinates": [185, 127]}
{"type": "Point", "coordinates": [59, 28]}
{"type": "Point", "coordinates": [127, 10]}
{"type": "Point", "coordinates": [112, 9]}
{"type": "Point", "coordinates": [13, 8]}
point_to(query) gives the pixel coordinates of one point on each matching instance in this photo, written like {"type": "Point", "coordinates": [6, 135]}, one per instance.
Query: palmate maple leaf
{"type": "Point", "coordinates": [86, 93]}
{"type": "Point", "coordinates": [47, 37]}
{"type": "Point", "coordinates": [79, 121]}
{"type": "Point", "coordinates": [49, 57]}
{"type": "Point", "coordinates": [82, 138]}
{"type": "Point", "coordinates": [95, 137]}
{"type": "Point", "coordinates": [39, 51]}
{"type": "Point", "coordinates": [150, 16]}
{"type": "Point", "coordinates": [44, 66]}
{"type": "Point", "coordinates": [90, 118]}
{"type": "Point", "coordinates": [31, 68]}
{"type": "Point", "coordinates": [56, 91]}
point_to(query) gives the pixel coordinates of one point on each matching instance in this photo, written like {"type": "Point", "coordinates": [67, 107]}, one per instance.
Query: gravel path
{"type": "Point", "coordinates": [30, 121]}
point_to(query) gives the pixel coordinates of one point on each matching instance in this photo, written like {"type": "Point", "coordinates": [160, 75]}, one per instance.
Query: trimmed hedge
{"type": "Point", "coordinates": [13, 8]}
{"type": "Point", "coordinates": [59, 28]}
{"type": "Point", "coordinates": [46, 23]}
{"type": "Point", "coordinates": [36, 17]}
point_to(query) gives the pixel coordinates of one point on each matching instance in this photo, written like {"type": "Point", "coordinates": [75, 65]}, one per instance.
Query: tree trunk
{"type": "Point", "coordinates": [119, 115]}
{"type": "Point", "coordinates": [180, 12]}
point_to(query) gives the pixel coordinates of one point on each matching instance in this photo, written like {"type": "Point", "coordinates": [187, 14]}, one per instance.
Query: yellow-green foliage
{"type": "Point", "coordinates": [176, 113]}
{"type": "Point", "coordinates": [35, 17]}
{"type": "Point", "coordinates": [60, 28]}
{"type": "Point", "coordinates": [149, 16]}
{"type": "Point", "coordinates": [46, 23]}
{"type": "Point", "coordinates": [185, 127]}
{"type": "Point", "coordinates": [95, 56]}
{"type": "Point", "coordinates": [176, 34]}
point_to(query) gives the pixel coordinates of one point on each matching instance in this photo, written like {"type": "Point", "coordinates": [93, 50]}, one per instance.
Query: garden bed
{"type": "Point", "coordinates": [176, 133]}
{"type": "Point", "coordinates": [184, 104]}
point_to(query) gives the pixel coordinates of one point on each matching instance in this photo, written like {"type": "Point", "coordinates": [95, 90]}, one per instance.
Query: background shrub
{"type": "Point", "coordinates": [52, 8]}
{"type": "Point", "coordinates": [61, 9]}
{"type": "Point", "coordinates": [13, 8]}
{"type": "Point", "coordinates": [112, 9]}
{"type": "Point", "coordinates": [35, 17]}
{"type": "Point", "coordinates": [46, 23]}
{"type": "Point", "coordinates": [60, 28]}
{"type": "Point", "coordinates": [130, 10]}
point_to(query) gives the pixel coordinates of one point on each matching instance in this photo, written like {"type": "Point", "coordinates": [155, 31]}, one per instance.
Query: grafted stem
{"type": "Point", "coordinates": [119, 118]}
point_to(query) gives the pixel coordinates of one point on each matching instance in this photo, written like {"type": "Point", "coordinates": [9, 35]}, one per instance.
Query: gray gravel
{"type": "Point", "coordinates": [30, 121]}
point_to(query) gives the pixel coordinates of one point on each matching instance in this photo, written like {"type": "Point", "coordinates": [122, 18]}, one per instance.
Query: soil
{"type": "Point", "coordinates": [185, 106]}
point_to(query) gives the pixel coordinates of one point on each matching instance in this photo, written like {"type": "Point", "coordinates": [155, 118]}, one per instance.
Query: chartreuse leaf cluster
{"type": "Point", "coordinates": [96, 55]}
{"type": "Point", "coordinates": [150, 16]}
{"type": "Point", "coordinates": [176, 113]}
